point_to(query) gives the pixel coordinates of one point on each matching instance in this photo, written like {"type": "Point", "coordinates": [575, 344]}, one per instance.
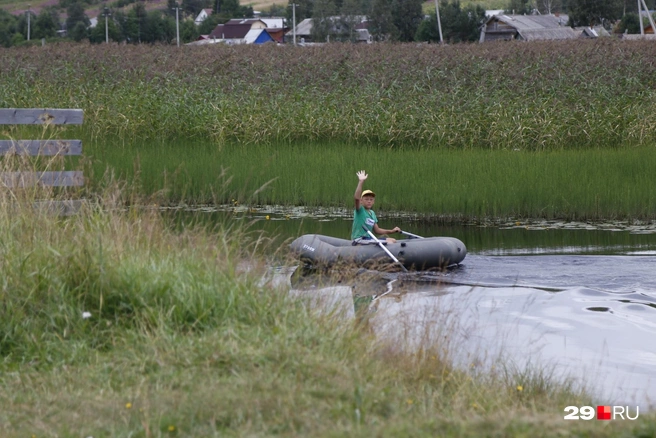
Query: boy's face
{"type": "Point", "coordinates": [368, 201]}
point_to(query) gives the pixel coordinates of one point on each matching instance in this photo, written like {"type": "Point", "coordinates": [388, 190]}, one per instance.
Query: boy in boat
{"type": "Point", "coordinates": [363, 215]}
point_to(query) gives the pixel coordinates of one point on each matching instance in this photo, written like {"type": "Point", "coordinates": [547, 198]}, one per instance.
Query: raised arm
{"type": "Point", "coordinates": [358, 190]}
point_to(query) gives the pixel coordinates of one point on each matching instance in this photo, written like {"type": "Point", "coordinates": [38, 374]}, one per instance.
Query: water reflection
{"type": "Point", "coordinates": [588, 317]}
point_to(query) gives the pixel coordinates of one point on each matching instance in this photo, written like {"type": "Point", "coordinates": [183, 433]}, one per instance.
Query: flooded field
{"type": "Point", "coordinates": [572, 299]}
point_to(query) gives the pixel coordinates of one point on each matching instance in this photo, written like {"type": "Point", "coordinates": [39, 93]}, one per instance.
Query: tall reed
{"type": "Point", "coordinates": [446, 185]}
{"type": "Point", "coordinates": [537, 96]}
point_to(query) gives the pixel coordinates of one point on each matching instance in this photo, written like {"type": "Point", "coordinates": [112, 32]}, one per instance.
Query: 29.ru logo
{"type": "Point", "coordinates": [603, 413]}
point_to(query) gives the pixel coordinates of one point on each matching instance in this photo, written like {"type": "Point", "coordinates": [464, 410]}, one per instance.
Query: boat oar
{"type": "Point", "coordinates": [384, 249]}
{"type": "Point", "coordinates": [414, 236]}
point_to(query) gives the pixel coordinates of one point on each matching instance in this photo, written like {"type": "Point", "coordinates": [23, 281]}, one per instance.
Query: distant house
{"type": "Point", "coordinates": [526, 28]}
{"type": "Point", "coordinates": [592, 32]}
{"type": "Point", "coordinates": [274, 22]}
{"type": "Point", "coordinates": [304, 29]}
{"type": "Point", "coordinates": [258, 36]}
{"type": "Point", "coordinates": [238, 31]}
{"type": "Point", "coordinates": [202, 16]}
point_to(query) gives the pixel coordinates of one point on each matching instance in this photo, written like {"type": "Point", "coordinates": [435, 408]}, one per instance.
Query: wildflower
{"type": "Point", "coordinates": [128, 405]}
{"type": "Point", "coordinates": [171, 428]}
{"type": "Point", "coordinates": [409, 401]}
{"type": "Point", "coordinates": [520, 388]}
{"type": "Point", "coordinates": [267, 217]}
{"type": "Point", "coordinates": [86, 315]}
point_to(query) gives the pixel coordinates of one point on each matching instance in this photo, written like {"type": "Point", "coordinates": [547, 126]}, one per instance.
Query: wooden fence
{"type": "Point", "coordinates": [34, 116]}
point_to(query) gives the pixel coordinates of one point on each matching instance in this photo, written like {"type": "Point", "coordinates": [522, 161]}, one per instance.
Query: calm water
{"type": "Point", "coordinates": [575, 299]}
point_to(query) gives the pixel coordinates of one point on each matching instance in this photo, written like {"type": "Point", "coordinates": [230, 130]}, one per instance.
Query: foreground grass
{"type": "Point", "coordinates": [446, 185]}
{"type": "Point", "coordinates": [178, 340]}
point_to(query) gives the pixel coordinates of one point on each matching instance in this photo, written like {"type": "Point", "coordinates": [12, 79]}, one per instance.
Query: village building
{"type": "Point", "coordinates": [202, 16]}
{"type": "Point", "coordinates": [243, 31]}
{"type": "Point", "coordinates": [303, 30]}
{"type": "Point", "coordinates": [504, 27]}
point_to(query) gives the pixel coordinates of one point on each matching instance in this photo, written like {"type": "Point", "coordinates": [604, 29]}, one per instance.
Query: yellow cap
{"type": "Point", "coordinates": [368, 192]}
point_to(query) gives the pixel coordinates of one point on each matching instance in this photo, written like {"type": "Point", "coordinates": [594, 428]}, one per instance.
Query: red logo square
{"type": "Point", "coordinates": [603, 412]}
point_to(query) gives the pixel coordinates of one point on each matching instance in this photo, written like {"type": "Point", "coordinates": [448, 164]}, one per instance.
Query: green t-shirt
{"type": "Point", "coordinates": [362, 217]}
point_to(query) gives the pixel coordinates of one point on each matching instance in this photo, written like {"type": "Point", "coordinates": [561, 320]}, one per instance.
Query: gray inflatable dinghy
{"type": "Point", "coordinates": [418, 254]}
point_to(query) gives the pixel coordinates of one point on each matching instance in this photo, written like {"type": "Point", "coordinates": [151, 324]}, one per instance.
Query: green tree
{"type": "Point", "coordinates": [158, 28]}
{"type": "Point", "coordinates": [97, 34]}
{"type": "Point", "coordinates": [407, 15]}
{"type": "Point", "coordinates": [133, 23]}
{"type": "Point", "coordinates": [458, 25]}
{"type": "Point", "coordinates": [46, 24]}
{"type": "Point", "coordinates": [209, 24]}
{"type": "Point", "coordinates": [188, 31]}
{"type": "Point", "coordinates": [630, 23]}
{"type": "Point", "coordinates": [17, 39]}
{"type": "Point", "coordinates": [304, 9]}
{"type": "Point", "coordinates": [350, 17]}
{"type": "Point", "coordinates": [78, 32]}
{"type": "Point", "coordinates": [381, 22]}
{"type": "Point", "coordinates": [520, 7]}
{"type": "Point", "coordinates": [322, 22]}
{"type": "Point", "coordinates": [8, 28]}
{"type": "Point", "coordinates": [591, 13]}
{"type": "Point", "coordinates": [232, 9]}
{"type": "Point", "coordinates": [75, 14]}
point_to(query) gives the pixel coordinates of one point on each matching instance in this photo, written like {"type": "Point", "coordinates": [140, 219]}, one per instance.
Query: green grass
{"type": "Point", "coordinates": [587, 184]}
{"type": "Point", "coordinates": [183, 341]}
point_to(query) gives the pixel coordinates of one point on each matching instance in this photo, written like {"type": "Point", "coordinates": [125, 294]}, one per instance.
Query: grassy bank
{"type": "Point", "coordinates": [113, 325]}
{"type": "Point", "coordinates": [584, 184]}
{"type": "Point", "coordinates": [538, 96]}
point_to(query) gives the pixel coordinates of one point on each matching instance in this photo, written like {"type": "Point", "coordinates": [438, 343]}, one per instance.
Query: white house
{"type": "Point", "coordinates": [202, 15]}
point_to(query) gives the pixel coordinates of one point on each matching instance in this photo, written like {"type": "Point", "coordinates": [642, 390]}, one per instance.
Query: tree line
{"type": "Point", "coordinates": [333, 20]}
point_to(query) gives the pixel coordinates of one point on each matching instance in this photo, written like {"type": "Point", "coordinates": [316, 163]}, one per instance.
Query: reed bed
{"type": "Point", "coordinates": [443, 185]}
{"type": "Point", "coordinates": [538, 96]}
{"type": "Point", "coordinates": [112, 324]}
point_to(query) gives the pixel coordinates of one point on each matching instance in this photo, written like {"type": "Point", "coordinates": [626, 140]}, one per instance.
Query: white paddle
{"type": "Point", "coordinates": [384, 249]}
{"type": "Point", "coordinates": [414, 236]}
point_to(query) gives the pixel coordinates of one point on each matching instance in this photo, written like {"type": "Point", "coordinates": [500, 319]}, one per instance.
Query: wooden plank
{"type": "Point", "coordinates": [39, 116]}
{"type": "Point", "coordinates": [51, 179]}
{"type": "Point", "coordinates": [41, 147]}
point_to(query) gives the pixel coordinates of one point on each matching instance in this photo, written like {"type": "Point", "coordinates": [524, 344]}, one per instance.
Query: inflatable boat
{"type": "Point", "coordinates": [418, 254]}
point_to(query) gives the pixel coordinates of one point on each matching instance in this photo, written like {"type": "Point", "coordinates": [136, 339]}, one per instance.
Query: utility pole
{"type": "Point", "coordinates": [651, 20]}
{"type": "Point", "coordinates": [439, 23]}
{"type": "Point", "coordinates": [106, 28]}
{"type": "Point", "coordinates": [29, 12]}
{"type": "Point", "coordinates": [177, 24]}
{"type": "Point", "coordinates": [294, 22]}
{"type": "Point", "coordinates": [138, 25]}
